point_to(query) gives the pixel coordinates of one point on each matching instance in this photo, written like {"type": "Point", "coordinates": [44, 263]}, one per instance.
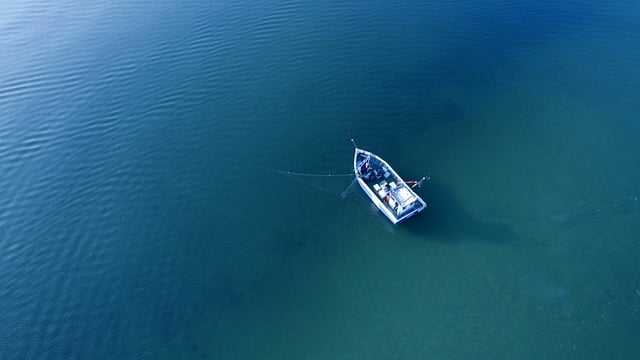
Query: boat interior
{"type": "Point", "coordinates": [393, 192]}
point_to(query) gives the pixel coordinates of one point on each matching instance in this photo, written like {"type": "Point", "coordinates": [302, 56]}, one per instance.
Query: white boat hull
{"type": "Point", "coordinates": [407, 202]}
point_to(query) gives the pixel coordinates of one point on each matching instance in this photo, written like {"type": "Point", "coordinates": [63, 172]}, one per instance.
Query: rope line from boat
{"type": "Point", "coordinates": [294, 173]}
{"type": "Point", "coordinates": [297, 177]}
{"type": "Point", "coordinates": [348, 190]}
{"type": "Point", "coordinates": [342, 195]}
{"type": "Point", "coordinates": [308, 174]}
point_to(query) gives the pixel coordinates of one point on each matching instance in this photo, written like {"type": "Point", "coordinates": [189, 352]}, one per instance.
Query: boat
{"type": "Point", "coordinates": [393, 196]}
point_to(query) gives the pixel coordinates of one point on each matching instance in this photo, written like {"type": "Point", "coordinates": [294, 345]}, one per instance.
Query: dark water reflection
{"type": "Point", "coordinates": [446, 219]}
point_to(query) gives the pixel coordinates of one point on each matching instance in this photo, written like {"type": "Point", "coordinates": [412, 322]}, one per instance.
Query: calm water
{"type": "Point", "coordinates": [141, 216]}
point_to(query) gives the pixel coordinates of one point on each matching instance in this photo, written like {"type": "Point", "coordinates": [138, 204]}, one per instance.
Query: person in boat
{"type": "Point", "coordinates": [364, 168]}
{"type": "Point", "coordinates": [366, 171]}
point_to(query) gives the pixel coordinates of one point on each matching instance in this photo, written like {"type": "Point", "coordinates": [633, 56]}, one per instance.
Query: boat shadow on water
{"type": "Point", "coordinates": [447, 220]}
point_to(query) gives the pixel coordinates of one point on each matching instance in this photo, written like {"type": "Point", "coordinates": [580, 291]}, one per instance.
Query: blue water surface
{"type": "Point", "coordinates": [144, 212]}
